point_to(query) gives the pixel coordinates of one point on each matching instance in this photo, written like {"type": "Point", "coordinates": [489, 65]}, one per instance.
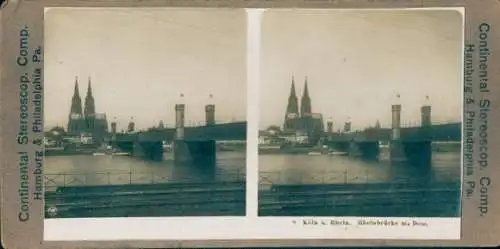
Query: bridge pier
{"type": "Point", "coordinates": [364, 149]}
{"type": "Point", "coordinates": [125, 146]}
{"type": "Point", "coordinates": [137, 150]}
{"type": "Point", "coordinates": [397, 152]}
{"type": "Point", "coordinates": [198, 152]}
{"type": "Point", "coordinates": [148, 150]}
{"type": "Point", "coordinates": [338, 146]}
{"type": "Point", "coordinates": [419, 153]}
{"type": "Point", "coordinates": [354, 149]}
{"type": "Point", "coordinates": [369, 150]}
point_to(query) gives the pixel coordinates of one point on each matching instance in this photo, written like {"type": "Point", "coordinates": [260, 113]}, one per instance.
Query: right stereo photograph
{"type": "Point", "coordinates": [366, 113]}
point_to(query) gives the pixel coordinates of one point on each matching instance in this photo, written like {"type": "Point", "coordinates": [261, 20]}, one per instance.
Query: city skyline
{"type": "Point", "coordinates": [419, 38]}
{"type": "Point", "coordinates": [134, 63]}
{"type": "Point", "coordinates": [413, 54]}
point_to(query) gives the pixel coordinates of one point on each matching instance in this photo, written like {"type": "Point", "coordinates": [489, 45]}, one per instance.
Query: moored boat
{"type": "Point", "coordinates": [314, 153]}
{"type": "Point", "coordinates": [337, 153]}
{"type": "Point", "coordinates": [120, 154]}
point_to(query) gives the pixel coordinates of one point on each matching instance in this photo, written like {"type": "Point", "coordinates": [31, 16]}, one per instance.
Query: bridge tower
{"type": "Point", "coordinates": [113, 127]}
{"type": "Point", "coordinates": [179, 121]}
{"type": "Point", "coordinates": [131, 125]}
{"type": "Point", "coordinates": [329, 126]}
{"type": "Point", "coordinates": [425, 112]}
{"type": "Point", "coordinates": [210, 113]}
{"type": "Point", "coordinates": [397, 153]}
{"type": "Point", "coordinates": [396, 122]}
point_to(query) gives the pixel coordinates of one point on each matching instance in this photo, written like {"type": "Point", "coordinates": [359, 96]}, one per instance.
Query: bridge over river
{"type": "Point", "coordinates": [410, 144]}
{"type": "Point", "coordinates": [217, 132]}
{"type": "Point", "coordinates": [434, 132]}
{"type": "Point", "coordinates": [190, 144]}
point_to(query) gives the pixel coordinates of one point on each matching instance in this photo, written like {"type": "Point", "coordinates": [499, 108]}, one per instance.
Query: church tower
{"type": "Point", "coordinates": [89, 101]}
{"type": "Point", "coordinates": [76, 101]}
{"type": "Point", "coordinates": [293, 106]}
{"type": "Point", "coordinates": [75, 124]}
{"type": "Point", "coordinates": [305, 102]}
{"type": "Point", "coordinates": [292, 109]}
{"type": "Point", "coordinates": [89, 110]}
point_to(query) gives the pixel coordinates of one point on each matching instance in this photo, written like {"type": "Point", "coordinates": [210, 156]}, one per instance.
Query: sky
{"type": "Point", "coordinates": [140, 60]}
{"type": "Point", "coordinates": [357, 62]}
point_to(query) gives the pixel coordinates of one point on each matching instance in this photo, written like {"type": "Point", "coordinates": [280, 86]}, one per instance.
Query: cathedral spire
{"type": "Point", "coordinates": [75, 91]}
{"type": "Point", "coordinates": [89, 102]}
{"type": "Point", "coordinates": [292, 107]}
{"type": "Point", "coordinates": [306, 92]}
{"type": "Point", "coordinates": [89, 88]}
{"type": "Point", "coordinates": [305, 105]}
{"type": "Point", "coordinates": [76, 101]}
{"type": "Point", "coordinates": [75, 114]}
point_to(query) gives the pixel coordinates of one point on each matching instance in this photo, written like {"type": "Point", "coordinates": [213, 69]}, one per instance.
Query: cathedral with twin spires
{"type": "Point", "coordinates": [305, 121]}
{"type": "Point", "coordinates": [85, 121]}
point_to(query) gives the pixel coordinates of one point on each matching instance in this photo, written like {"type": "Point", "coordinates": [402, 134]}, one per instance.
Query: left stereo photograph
{"type": "Point", "coordinates": [144, 112]}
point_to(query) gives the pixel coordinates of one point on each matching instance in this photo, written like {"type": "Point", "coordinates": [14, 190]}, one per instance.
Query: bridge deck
{"type": "Point", "coordinates": [440, 132]}
{"type": "Point", "coordinates": [228, 131]}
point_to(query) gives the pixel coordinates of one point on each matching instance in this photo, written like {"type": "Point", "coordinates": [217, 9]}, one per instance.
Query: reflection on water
{"type": "Point", "coordinates": [85, 169]}
{"type": "Point", "coordinates": [290, 169]}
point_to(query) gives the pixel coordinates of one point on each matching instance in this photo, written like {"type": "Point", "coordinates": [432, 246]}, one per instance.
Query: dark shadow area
{"type": "Point", "coordinates": [380, 200]}
{"type": "Point", "coordinates": [195, 198]}
{"type": "Point", "coordinates": [418, 154]}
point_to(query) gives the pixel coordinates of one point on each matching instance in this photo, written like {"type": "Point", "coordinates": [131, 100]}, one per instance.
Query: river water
{"type": "Point", "coordinates": [273, 169]}
{"type": "Point", "coordinates": [312, 169]}
{"type": "Point", "coordinates": [107, 169]}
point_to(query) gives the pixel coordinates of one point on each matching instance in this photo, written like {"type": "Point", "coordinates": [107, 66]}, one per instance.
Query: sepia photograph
{"type": "Point", "coordinates": [366, 113]}
{"type": "Point", "coordinates": [145, 112]}
{"type": "Point", "coordinates": [226, 123]}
